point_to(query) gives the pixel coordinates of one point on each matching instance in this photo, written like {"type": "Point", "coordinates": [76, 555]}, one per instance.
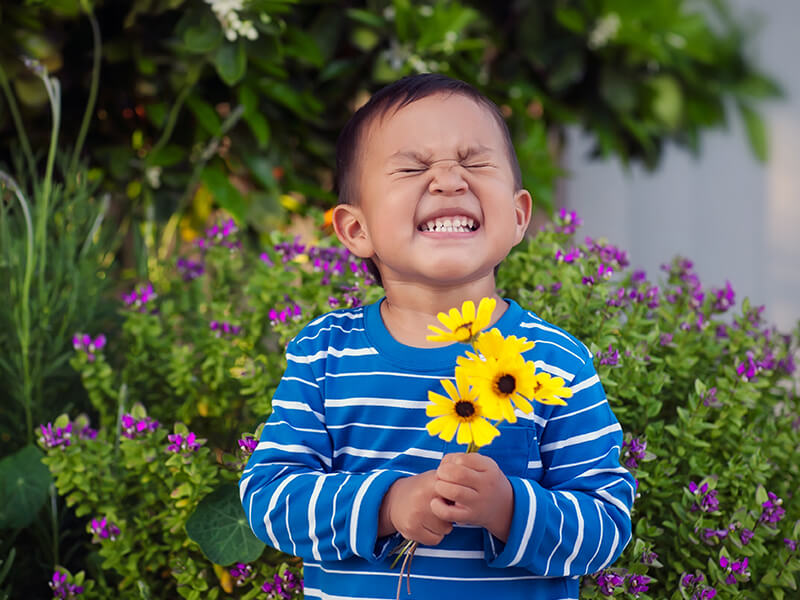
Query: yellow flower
{"type": "Point", "coordinates": [465, 325]}
{"type": "Point", "coordinates": [460, 412]}
{"type": "Point", "coordinates": [501, 383]}
{"type": "Point", "coordinates": [550, 390]}
{"type": "Point", "coordinates": [492, 344]}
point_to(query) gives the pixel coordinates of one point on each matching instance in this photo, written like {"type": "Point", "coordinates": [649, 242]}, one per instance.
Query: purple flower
{"type": "Point", "coordinates": [569, 257]}
{"type": "Point", "coordinates": [248, 445]}
{"type": "Point", "coordinates": [58, 437]}
{"type": "Point", "coordinates": [292, 311]}
{"type": "Point", "coordinates": [746, 535]}
{"type": "Point", "coordinates": [190, 269]}
{"type": "Point", "coordinates": [666, 339]}
{"type": "Point", "coordinates": [62, 589]}
{"type": "Point", "coordinates": [82, 342]}
{"type": "Point", "coordinates": [604, 271]}
{"type": "Point", "coordinates": [264, 257]}
{"type": "Point", "coordinates": [567, 222]}
{"type": "Point", "coordinates": [611, 357]}
{"type": "Point", "coordinates": [240, 573]}
{"type": "Point", "coordinates": [185, 444]}
{"type": "Point", "coordinates": [734, 568]}
{"type": "Point", "coordinates": [791, 544]}
{"type": "Point", "coordinates": [638, 584]}
{"type": "Point", "coordinates": [771, 512]}
{"type": "Point", "coordinates": [133, 428]}
{"type": "Point", "coordinates": [634, 451]}
{"type": "Point", "coordinates": [723, 298]}
{"type": "Point", "coordinates": [224, 328]}
{"type": "Point", "coordinates": [139, 297]}
{"type": "Point", "coordinates": [707, 499]}
{"type": "Point", "coordinates": [588, 280]}
{"type": "Point", "coordinates": [608, 581]}
{"type": "Point", "coordinates": [104, 529]}
{"type": "Point", "coordinates": [748, 368]}
{"type": "Point", "coordinates": [648, 558]}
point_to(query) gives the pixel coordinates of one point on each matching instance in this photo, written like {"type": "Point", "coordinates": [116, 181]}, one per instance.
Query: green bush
{"type": "Point", "coordinates": [705, 395]}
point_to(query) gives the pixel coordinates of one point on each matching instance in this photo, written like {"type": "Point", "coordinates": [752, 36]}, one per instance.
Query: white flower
{"type": "Point", "coordinates": [604, 30]}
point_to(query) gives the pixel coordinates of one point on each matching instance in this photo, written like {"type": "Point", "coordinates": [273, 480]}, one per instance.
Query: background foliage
{"type": "Point", "coordinates": [127, 127]}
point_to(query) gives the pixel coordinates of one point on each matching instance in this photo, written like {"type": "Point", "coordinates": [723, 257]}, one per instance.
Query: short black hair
{"type": "Point", "coordinates": [395, 96]}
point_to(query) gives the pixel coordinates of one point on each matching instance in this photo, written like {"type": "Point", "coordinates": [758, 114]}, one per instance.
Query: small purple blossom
{"type": "Point", "coordinates": [791, 544]}
{"type": "Point", "coordinates": [240, 573]}
{"type": "Point", "coordinates": [282, 586]}
{"type": "Point", "coordinates": [189, 269]}
{"type": "Point", "coordinates": [706, 499]}
{"type": "Point", "coordinates": [610, 357]}
{"type": "Point", "coordinates": [184, 444]}
{"type": "Point", "coordinates": [55, 437]}
{"type": "Point", "coordinates": [608, 581]}
{"type": "Point", "coordinates": [638, 584]}
{"type": "Point", "coordinates": [221, 328]}
{"type": "Point", "coordinates": [771, 511]}
{"type": "Point", "coordinates": [104, 529]}
{"type": "Point", "coordinates": [133, 428]}
{"type": "Point", "coordinates": [734, 568]}
{"type": "Point", "coordinates": [567, 222]}
{"type": "Point", "coordinates": [633, 451]}
{"type": "Point", "coordinates": [588, 280]}
{"type": "Point", "coordinates": [569, 257]}
{"type": "Point", "coordinates": [82, 342]}
{"type": "Point", "coordinates": [747, 368]}
{"type": "Point", "coordinates": [292, 311]}
{"type": "Point", "coordinates": [62, 589]}
{"type": "Point", "coordinates": [710, 398]}
{"type": "Point", "coordinates": [724, 299]}
{"type": "Point", "coordinates": [648, 558]}
{"type": "Point", "coordinates": [638, 276]}
{"type": "Point", "coordinates": [746, 535]}
{"type": "Point", "coordinates": [264, 257]}
{"type": "Point", "coordinates": [139, 297]}
{"type": "Point", "coordinates": [248, 445]}
{"type": "Point", "coordinates": [665, 339]}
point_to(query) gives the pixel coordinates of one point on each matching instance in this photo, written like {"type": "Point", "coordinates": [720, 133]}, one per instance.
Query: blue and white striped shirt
{"type": "Point", "coordinates": [349, 420]}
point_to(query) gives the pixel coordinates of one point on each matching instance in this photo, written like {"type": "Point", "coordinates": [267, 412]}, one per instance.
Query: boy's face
{"type": "Point", "coordinates": [438, 160]}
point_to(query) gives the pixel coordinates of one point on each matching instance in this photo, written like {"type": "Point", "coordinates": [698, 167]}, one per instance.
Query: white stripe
{"type": "Point", "coordinates": [362, 491]}
{"type": "Point", "coordinates": [289, 529]}
{"type": "Point", "coordinates": [435, 553]}
{"type": "Point", "coordinates": [531, 417]}
{"type": "Point", "coordinates": [580, 439]}
{"type": "Point", "coordinates": [338, 315]}
{"type": "Point", "coordinates": [291, 405]}
{"type": "Point", "coordinates": [333, 514]}
{"type": "Point", "coordinates": [534, 464]}
{"type": "Point", "coordinates": [321, 329]}
{"type": "Point", "coordinates": [393, 574]}
{"type": "Point", "coordinates": [272, 502]}
{"type": "Point", "coordinates": [526, 535]}
{"type": "Point", "coordinates": [586, 383]}
{"type": "Point", "coordinates": [314, 385]}
{"type": "Point", "coordinates": [312, 517]}
{"type": "Point", "coordinates": [577, 412]}
{"type": "Point", "coordinates": [553, 370]}
{"type": "Point", "coordinates": [560, 534]}
{"type": "Point", "coordinates": [337, 352]}
{"type": "Point", "coordinates": [550, 329]}
{"type": "Point", "coordinates": [560, 347]}
{"type": "Point", "coordinates": [294, 448]}
{"type": "Point", "coordinates": [292, 427]}
{"type": "Point", "coordinates": [317, 593]}
{"type": "Point", "coordinates": [615, 501]}
{"type": "Point", "coordinates": [383, 373]}
{"type": "Point", "coordinates": [590, 472]}
{"type": "Point", "coordinates": [611, 551]}
{"type": "Point", "coordinates": [375, 426]}
{"type": "Point", "coordinates": [243, 487]}
{"type": "Point", "coordinates": [579, 539]}
{"type": "Point", "coordinates": [588, 460]}
{"type": "Point", "coordinates": [388, 455]}
{"type": "Point", "coordinates": [598, 506]}
{"type": "Point", "coordinates": [389, 402]}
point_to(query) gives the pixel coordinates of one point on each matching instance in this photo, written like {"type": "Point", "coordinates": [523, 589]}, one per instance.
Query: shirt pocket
{"type": "Point", "coordinates": [511, 450]}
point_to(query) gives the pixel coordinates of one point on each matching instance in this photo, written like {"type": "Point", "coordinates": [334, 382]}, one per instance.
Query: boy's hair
{"type": "Point", "coordinates": [395, 96]}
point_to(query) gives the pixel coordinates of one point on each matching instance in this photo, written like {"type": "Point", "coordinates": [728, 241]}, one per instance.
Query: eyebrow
{"type": "Point", "coordinates": [469, 152]}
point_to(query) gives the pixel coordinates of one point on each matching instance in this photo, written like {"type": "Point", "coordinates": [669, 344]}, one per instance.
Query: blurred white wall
{"type": "Point", "coordinates": [735, 218]}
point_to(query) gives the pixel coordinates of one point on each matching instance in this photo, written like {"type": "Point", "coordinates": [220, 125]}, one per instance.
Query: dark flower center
{"type": "Point", "coordinates": [465, 409]}
{"type": "Point", "coordinates": [467, 326]}
{"type": "Point", "coordinates": [506, 384]}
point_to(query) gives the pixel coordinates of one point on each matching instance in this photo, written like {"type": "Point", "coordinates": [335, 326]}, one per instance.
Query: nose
{"type": "Point", "coordinates": [447, 178]}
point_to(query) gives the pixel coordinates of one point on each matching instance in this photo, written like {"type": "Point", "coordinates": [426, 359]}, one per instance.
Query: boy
{"type": "Point", "coordinates": [431, 194]}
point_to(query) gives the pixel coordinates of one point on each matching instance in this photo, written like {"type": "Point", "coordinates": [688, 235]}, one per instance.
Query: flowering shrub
{"type": "Point", "coordinates": [706, 396]}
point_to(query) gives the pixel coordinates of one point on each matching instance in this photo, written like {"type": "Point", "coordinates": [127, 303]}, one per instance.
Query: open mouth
{"type": "Point", "coordinates": [456, 224]}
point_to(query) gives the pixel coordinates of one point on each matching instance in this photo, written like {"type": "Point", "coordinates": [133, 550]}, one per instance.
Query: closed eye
{"type": "Point", "coordinates": [477, 166]}
{"type": "Point", "coordinates": [417, 170]}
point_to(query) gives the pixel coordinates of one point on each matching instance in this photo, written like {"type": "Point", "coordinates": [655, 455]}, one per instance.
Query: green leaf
{"type": "Point", "coordinates": [230, 59]}
{"type": "Point", "coordinates": [205, 114]}
{"type": "Point", "coordinates": [761, 494]}
{"type": "Point", "coordinates": [756, 132]}
{"type": "Point", "coordinates": [224, 192]}
{"type": "Point", "coordinates": [166, 156]}
{"type": "Point", "coordinates": [24, 481]}
{"type": "Point", "coordinates": [200, 30]}
{"type": "Point", "coordinates": [364, 16]}
{"type": "Point", "coordinates": [219, 526]}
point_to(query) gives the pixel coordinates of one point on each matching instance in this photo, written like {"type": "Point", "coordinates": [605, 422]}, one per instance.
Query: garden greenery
{"type": "Point", "coordinates": [706, 395]}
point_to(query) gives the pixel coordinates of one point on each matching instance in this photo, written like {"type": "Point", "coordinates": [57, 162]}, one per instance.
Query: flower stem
{"type": "Point", "coordinates": [15, 115]}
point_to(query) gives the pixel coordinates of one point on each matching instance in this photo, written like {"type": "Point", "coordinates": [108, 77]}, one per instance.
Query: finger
{"type": "Point", "coordinates": [458, 474]}
{"type": "Point", "coordinates": [460, 494]}
{"type": "Point", "coordinates": [437, 526]}
{"type": "Point", "coordinates": [455, 513]}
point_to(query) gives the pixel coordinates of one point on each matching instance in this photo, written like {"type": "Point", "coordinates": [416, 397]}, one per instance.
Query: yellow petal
{"type": "Point", "coordinates": [464, 434]}
{"type": "Point", "coordinates": [485, 309]}
{"type": "Point", "coordinates": [522, 403]}
{"type": "Point", "coordinates": [450, 389]}
{"type": "Point", "coordinates": [468, 311]}
{"type": "Point", "coordinates": [435, 426]}
{"type": "Point", "coordinates": [483, 432]}
{"type": "Point", "coordinates": [450, 425]}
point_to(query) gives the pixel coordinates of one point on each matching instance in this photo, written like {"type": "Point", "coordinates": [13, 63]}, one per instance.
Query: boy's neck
{"type": "Point", "coordinates": [408, 309]}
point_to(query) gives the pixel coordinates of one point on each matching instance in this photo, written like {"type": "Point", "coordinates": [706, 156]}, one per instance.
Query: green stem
{"type": "Point", "coordinates": [172, 119]}
{"type": "Point", "coordinates": [95, 83]}
{"type": "Point", "coordinates": [54, 92]}
{"type": "Point", "coordinates": [24, 330]}
{"type": "Point", "coordinates": [23, 137]}
{"type": "Point", "coordinates": [54, 523]}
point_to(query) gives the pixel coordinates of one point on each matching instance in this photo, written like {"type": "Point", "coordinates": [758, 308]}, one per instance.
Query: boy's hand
{"type": "Point", "coordinates": [479, 491]}
{"type": "Point", "coordinates": [406, 508]}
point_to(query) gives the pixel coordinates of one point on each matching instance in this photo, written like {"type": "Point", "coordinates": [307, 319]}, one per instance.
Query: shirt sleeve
{"type": "Point", "coordinates": [576, 519]}
{"type": "Point", "coordinates": [292, 497]}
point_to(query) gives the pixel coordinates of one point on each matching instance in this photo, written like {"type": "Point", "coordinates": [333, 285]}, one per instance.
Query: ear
{"type": "Point", "coordinates": [350, 227]}
{"type": "Point", "coordinates": [523, 208]}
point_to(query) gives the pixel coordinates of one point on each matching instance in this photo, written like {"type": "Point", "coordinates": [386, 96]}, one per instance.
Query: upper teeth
{"type": "Point", "coordinates": [458, 223]}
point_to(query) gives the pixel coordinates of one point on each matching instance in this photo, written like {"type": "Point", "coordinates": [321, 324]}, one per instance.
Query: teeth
{"type": "Point", "coordinates": [449, 224]}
